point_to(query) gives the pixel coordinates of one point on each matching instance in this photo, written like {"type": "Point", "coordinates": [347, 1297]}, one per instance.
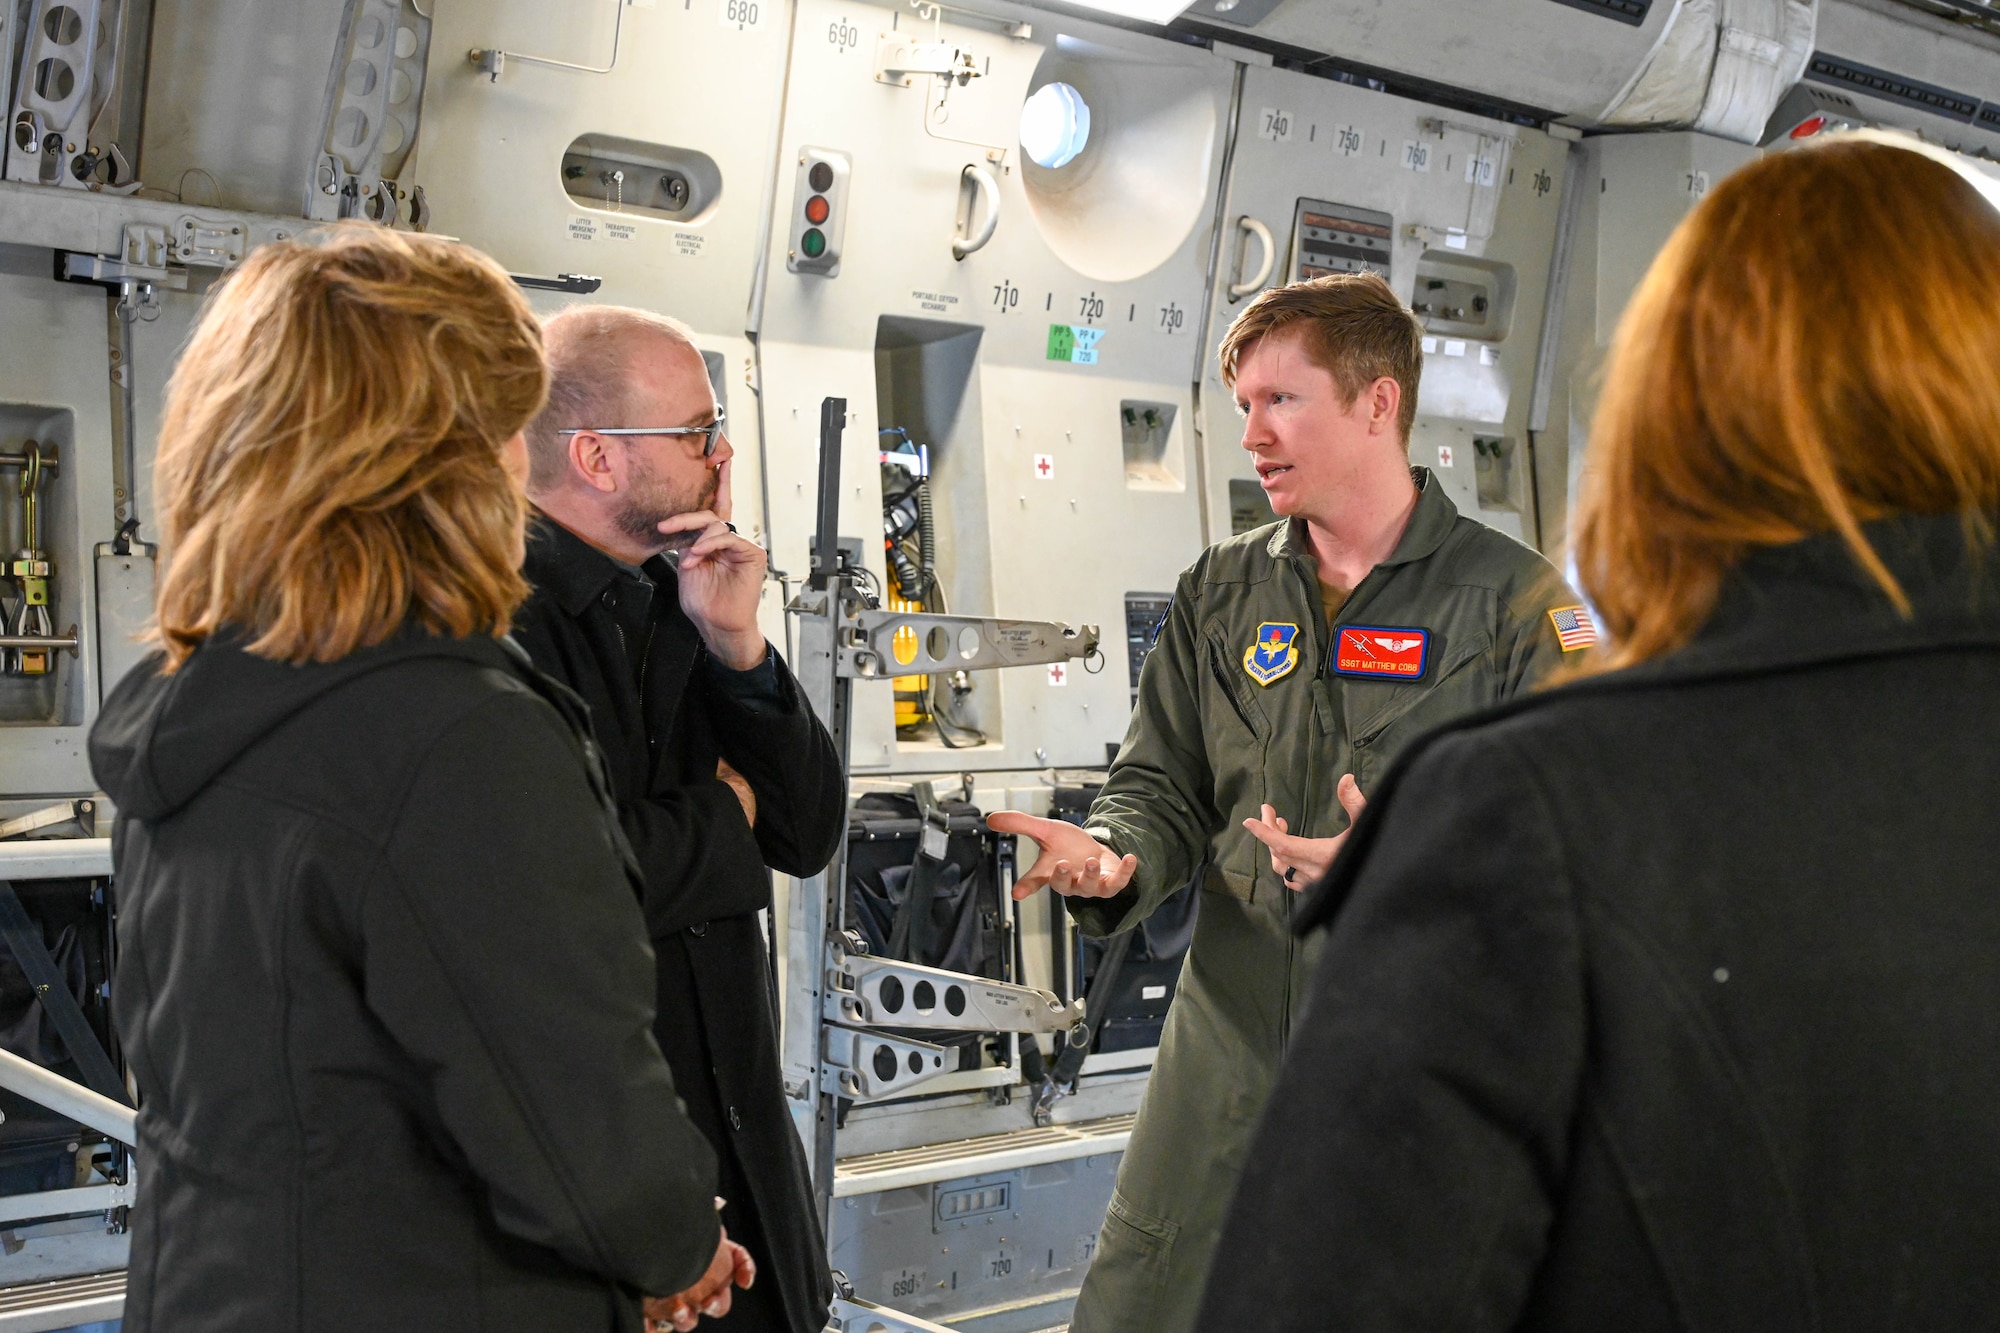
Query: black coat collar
{"type": "Point", "coordinates": [575, 572]}
{"type": "Point", "coordinates": [1785, 607]}
{"type": "Point", "coordinates": [1810, 601]}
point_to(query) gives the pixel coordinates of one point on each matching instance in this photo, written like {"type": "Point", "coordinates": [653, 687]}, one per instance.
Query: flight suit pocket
{"type": "Point", "coordinates": [1227, 692]}
{"type": "Point", "coordinates": [1383, 717]}
{"type": "Point", "coordinates": [1127, 1284]}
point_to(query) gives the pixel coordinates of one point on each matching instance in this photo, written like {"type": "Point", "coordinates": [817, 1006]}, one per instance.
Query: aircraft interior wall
{"type": "Point", "coordinates": [836, 196]}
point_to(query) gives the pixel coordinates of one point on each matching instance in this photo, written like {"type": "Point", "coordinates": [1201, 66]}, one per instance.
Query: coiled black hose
{"type": "Point", "coordinates": [926, 543]}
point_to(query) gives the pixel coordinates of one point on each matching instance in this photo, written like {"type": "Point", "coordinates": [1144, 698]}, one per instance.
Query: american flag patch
{"type": "Point", "coordinates": [1573, 627]}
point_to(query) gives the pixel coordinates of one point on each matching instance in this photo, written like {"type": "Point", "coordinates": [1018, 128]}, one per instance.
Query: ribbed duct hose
{"type": "Point", "coordinates": [926, 544]}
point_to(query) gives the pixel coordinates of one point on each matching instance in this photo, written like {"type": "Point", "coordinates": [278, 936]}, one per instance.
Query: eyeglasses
{"type": "Point", "coordinates": [709, 433]}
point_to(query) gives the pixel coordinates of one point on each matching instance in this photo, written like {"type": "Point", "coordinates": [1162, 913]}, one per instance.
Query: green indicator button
{"type": "Point", "coordinates": [813, 243]}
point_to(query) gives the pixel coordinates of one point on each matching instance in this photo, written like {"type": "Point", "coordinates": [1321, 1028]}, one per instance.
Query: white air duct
{"type": "Point", "coordinates": [1719, 66]}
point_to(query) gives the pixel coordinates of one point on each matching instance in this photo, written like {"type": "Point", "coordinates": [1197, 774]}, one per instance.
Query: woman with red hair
{"type": "Point", "coordinates": [1670, 998]}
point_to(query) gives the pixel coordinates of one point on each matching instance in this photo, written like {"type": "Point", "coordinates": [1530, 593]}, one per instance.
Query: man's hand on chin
{"type": "Point", "coordinates": [721, 579]}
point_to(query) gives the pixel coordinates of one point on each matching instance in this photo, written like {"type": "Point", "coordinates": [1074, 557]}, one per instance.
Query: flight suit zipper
{"type": "Point", "coordinates": [1306, 582]}
{"type": "Point", "coordinates": [1228, 692]}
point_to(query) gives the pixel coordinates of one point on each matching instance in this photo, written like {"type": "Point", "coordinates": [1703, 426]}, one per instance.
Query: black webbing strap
{"type": "Point", "coordinates": [910, 935]}
{"type": "Point", "coordinates": [1103, 985]}
{"type": "Point", "coordinates": [24, 941]}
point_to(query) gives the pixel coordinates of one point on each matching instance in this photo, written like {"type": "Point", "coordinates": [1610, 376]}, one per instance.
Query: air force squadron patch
{"type": "Point", "coordinates": [1274, 654]}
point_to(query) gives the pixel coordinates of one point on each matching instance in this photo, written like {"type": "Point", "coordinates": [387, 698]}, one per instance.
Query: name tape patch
{"type": "Point", "coordinates": [1274, 654]}
{"type": "Point", "coordinates": [1574, 627]}
{"type": "Point", "coordinates": [1374, 650]}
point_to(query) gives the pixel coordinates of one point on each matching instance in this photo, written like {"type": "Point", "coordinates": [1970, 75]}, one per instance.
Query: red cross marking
{"type": "Point", "coordinates": [1042, 466]}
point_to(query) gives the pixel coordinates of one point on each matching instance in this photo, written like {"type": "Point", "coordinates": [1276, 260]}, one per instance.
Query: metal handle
{"type": "Point", "coordinates": [984, 186]}
{"type": "Point", "coordinates": [1239, 290]}
{"type": "Point", "coordinates": [51, 465]}
{"type": "Point", "coordinates": [68, 641]}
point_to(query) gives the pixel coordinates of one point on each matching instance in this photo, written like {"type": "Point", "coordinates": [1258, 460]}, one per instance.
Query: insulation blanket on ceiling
{"type": "Point", "coordinates": [1719, 66]}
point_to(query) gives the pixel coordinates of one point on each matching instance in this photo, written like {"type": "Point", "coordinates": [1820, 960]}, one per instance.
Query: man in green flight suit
{"type": "Point", "coordinates": [1295, 663]}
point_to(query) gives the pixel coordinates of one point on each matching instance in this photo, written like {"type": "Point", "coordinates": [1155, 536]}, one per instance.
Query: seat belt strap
{"type": "Point", "coordinates": [910, 937]}
{"type": "Point", "coordinates": [24, 941]}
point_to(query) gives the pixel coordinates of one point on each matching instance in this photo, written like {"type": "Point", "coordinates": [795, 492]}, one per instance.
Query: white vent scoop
{"type": "Point", "coordinates": [1055, 125]}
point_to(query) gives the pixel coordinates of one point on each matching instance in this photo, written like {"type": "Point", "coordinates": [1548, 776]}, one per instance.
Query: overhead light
{"type": "Point", "coordinates": [1151, 11]}
{"type": "Point", "coordinates": [1055, 125]}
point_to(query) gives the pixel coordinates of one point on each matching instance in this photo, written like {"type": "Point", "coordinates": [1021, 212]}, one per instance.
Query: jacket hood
{"type": "Point", "coordinates": [160, 739]}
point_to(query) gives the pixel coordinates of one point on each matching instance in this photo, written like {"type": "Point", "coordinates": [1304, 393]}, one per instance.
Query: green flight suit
{"type": "Point", "coordinates": [1207, 746]}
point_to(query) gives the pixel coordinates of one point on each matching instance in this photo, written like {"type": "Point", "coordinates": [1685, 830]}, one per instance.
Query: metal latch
{"type": "Point", "coordinates": [144, 260]}
{"type": "Point", "coordinates": [934, 841]}
{"type": "Point", "coordinates": [897, 59]}
{"type": "Point", "coordinates": [210, 244]}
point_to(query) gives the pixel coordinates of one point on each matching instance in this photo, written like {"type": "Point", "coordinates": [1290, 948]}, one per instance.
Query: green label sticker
{"type": "Point", "coordinates": [1074, 344]}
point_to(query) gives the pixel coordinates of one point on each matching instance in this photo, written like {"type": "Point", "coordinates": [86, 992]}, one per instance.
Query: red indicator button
{"type": "Point", "coordinates": [1808, 127]}
{"type": "Point", "coordinates": [817, 209]}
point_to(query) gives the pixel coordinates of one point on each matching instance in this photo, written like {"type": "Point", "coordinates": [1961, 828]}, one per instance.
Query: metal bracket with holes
{"type": "Point", "coordinates": [869, 651]}
{"type": "Point", "coordinates": [866, 1065]}
{"type": "Point", "coordinates": [865, 990]}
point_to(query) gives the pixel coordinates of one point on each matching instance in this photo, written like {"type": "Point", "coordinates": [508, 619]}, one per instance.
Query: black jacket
{"type": "Point", "coordinates": [596, 626]}
{"type": "Point", "coordinates": [381, 983]}
{"type": "Point", "coordinates": [1670, 999]}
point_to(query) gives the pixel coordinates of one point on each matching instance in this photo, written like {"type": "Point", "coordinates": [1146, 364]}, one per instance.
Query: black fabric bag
{"type": "Point", "coordinates": [74, 923]}
{"type": "Point", "coordinates": [964, 928]}
{"type": "Point", "coordinates": [883, 832]}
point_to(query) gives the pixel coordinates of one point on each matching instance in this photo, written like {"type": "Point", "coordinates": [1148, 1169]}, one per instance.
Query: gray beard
{"type": "Point", "coordinates": [651, 503]}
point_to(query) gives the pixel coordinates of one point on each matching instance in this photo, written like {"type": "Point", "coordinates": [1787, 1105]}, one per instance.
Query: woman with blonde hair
{"type": "Point", "coordinates": [382, 977]}
{"type": "Point", "coordinates": [1670, 998]}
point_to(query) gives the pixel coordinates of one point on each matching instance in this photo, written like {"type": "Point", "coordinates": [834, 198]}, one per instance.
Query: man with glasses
{"type": "Point", "coordinates": [645, 603]}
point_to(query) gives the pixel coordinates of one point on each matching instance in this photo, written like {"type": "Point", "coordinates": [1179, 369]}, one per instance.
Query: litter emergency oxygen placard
{"type": "Point", "coordinates": [1074, 343]}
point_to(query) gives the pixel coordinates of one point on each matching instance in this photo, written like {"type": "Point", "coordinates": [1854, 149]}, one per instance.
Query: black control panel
{"type": "Point", "coordinates": [1143, 613]}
